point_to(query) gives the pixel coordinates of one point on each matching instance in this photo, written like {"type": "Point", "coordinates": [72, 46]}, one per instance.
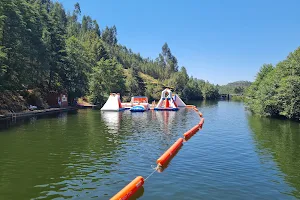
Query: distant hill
{"type": "Point", "coordinates": [237, 87]}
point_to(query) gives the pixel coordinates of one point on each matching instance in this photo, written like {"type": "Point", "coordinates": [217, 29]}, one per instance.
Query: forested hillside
{"type": "Point", "coordinates": [237, 87]}
{"type": "Point", "coordinates": [43, 47]}
{"type": "Point", "coordinates": [276, 90]}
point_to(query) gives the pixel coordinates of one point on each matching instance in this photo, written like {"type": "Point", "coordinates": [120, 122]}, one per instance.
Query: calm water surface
{"type": "Point", "coordinates": [92, 155]}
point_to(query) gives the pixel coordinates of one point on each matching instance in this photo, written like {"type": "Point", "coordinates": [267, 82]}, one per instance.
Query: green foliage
{"type": "Point", "coordinates": [237, 87]}
{"type": "Point", "coordinates": [75, 76]}
{"type": "Point", "coordinates": [289, 97]}
{"type": "Point", "coordinates": [178, 80]}
{"type": "Point", "coordinates": [196, 89]}
{"type": "Point", "coordinates": [109, 35]}
{"type": "Point", "coordinates": [237, 98]}
{"type": "Point", "coordinates": [134, 84]}
{"type": "Point", "coordinates": [209, 91]}
{"type": "Point", "coordinates": [276, 90]}
{"type": "Point", "coordinates": [101, 80]}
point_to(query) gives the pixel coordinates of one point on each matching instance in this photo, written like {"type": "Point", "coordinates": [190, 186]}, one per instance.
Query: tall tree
{"type": "Point", "coordinates": [109, 35]}
{"type": "Point", "coordinates": [101, 81]}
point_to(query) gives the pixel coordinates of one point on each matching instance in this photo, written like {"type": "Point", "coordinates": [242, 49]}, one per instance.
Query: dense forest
{"type": "Point", "coordinates": [44, 48]}
{"type": "Point", "coordinates": [276, 90]}
{"type": "Point", "coordinates": [237, 87]}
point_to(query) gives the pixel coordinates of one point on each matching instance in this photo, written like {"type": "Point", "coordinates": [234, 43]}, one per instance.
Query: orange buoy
{"type": "Point", "coordinates": [188, 134]}
{"type": "Point", "coordinates": [130, 189]}
{"type": "Point", "coordinates": [195, 129]}
{"type": "Point", "coordinates": [201, 122]}
{"type": "Point", "coordinates": [160, 169]}
{"type": "Point", "coordinates": [191, 132]}
{"type": "Point", "coordinates": [168, 154]}
{"type": "Point", "coordinates": [200, 114]}
{"type": "Point", "coordinates": [189, 106]}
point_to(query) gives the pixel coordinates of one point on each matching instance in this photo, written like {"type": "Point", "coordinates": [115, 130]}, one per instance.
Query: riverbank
{"type": "Point", "coordinates": [11, 118]}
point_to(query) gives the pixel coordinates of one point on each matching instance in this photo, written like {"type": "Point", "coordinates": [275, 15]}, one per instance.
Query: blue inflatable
{"type": "Point", "coordinates": [137, 109]}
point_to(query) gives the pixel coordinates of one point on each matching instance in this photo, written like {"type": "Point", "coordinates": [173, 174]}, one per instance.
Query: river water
{"type": "Point", "coordinates": [92, 155]}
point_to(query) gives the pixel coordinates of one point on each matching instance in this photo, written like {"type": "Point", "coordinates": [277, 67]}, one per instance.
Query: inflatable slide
{"type": "Point", "coordinates": [113, 103]}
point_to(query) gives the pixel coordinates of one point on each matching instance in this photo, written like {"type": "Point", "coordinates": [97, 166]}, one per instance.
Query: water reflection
{"type": "Point", "coordinates": [204, 103]}
{"type": "Point", "coordinates": [138, 194]}
{"type": "Point", "coordinates": [281, 140]}
{"type": "Point", "coordinates": [112, 120]}
{"type": "Point", "coordinates": [62, 157]}
{"type": "Point", "coordinates": [165, 120]}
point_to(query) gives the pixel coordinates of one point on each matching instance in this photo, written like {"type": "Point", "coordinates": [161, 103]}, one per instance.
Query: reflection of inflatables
{"type": "Point", "coordinates": [169, 102]}
{"type": "Point", "coordinates": [112, 119]}
{"type": "Point", "coordinates": [113, 103]}
{"type": "Point", "coordinates": [166, 120]}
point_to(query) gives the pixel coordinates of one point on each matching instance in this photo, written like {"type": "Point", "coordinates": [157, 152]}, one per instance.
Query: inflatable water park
{"type": "Point", "coordinates": [167, 102]}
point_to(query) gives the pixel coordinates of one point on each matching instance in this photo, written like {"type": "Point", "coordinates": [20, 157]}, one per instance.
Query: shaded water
{"type": "Point", "coordinates": [94, 155]}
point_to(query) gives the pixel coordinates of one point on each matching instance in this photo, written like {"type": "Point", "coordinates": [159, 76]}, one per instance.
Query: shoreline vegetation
{"type": "Point", "coordinates": [276, 89]}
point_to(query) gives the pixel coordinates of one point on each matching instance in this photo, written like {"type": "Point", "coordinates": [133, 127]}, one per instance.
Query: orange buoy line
{"type": "Point", "coordinates": [187, 135]}
{"type": "Point", "coordinates": [189, 106]}
{"type": "Point", "coordinates": [162, 162]}
{"type": "Point", "coordinates": [168, 154]}
{"type": "Point", "coordinates": [200, 114]}
{"type": "Point", "coordinates": [191, 132]}
{"type": "Point", "coordinates": [130, 189]}
{"type": "Point", "coordinates": [201, 122]}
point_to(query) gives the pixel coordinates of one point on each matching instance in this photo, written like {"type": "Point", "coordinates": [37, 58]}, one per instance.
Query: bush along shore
{"type": "Point", "coordinates": [276, 90]}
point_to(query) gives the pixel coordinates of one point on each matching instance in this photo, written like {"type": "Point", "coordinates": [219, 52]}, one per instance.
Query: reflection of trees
{"type": "Point", "coordinates": [282, 140]}
{"type": "Point", "coordinates": [204, 103]}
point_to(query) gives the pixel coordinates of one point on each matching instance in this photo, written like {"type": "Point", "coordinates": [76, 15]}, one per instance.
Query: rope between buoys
{"type": "Point", "coordinates": [150, 174]}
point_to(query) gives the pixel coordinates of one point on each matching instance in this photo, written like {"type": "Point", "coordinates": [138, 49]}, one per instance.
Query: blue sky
{"type": "Point", "coordinates": [216, 40]}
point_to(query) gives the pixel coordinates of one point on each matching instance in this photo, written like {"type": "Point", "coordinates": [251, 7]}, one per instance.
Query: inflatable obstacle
{"type": "Point", "coordinates": [178, 101]}
{"type": "Point", "coordinates": [137, 101]}
{"type": "Point", "coordinates": [166, 101]}
{"type": "Point", "coordinates": [113, 103]}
